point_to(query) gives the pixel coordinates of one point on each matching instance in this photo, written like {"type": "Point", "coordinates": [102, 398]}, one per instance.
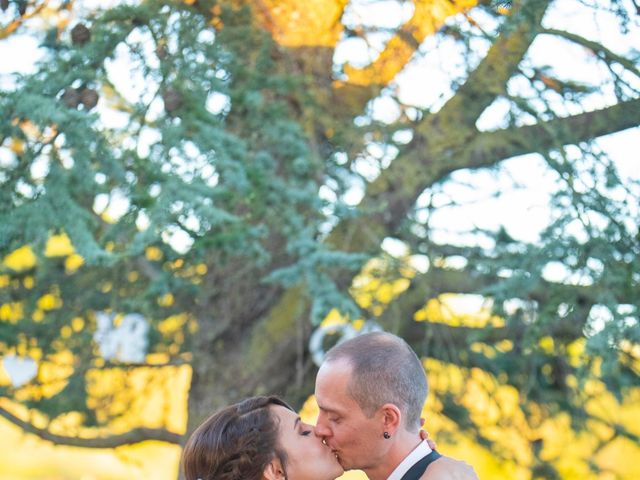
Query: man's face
{"type": "Point", "coordinates": [356, 440]}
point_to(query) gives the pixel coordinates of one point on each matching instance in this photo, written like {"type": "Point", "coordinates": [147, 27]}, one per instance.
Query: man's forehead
{"type": "Point", "coordinates": [332, 387]}
{"type": "Point", "coordinates": [332, 379]}
{"type": "Point", "coordinates": [340, 367]}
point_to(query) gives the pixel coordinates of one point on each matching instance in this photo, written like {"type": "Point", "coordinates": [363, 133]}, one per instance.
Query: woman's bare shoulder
{"type": "Point", "coordinates": [449, 469]}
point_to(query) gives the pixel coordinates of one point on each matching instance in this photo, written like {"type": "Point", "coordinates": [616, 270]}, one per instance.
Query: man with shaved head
{"type": "Point", "coordinates": [370, 391]}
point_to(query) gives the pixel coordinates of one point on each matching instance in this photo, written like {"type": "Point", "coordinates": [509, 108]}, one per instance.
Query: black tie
{"type": "Point", "coordinates": [419, 468]}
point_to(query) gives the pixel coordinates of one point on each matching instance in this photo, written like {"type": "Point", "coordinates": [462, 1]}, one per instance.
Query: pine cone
{"type": "Point", "coordinates": [89, 98]}
{"type": "Point", "coordinates": [71, 97]}
{"type": "Point", "coordinates": [80, 34]}
{"type": "Point", "coordinates": [172, 100]}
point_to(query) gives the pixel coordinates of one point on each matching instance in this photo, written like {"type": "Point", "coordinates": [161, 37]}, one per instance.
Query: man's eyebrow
{"type": "Point", "coordinates": [327, 410]}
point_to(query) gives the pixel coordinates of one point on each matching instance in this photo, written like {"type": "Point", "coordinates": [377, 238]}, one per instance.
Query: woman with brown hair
{"type": "Point", "coordinates": [260, 438]}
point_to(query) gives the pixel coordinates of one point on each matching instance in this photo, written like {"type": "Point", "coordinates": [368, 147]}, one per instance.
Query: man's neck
{"type": "Point", "coordinates": [400, 449]}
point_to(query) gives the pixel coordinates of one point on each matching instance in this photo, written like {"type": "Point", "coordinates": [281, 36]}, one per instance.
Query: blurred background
{"type": "Point", "coordinates": [198, 198]}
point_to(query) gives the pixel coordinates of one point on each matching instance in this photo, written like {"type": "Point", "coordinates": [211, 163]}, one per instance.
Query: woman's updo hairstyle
{"type": "Point", "coordinates": [235, 443]}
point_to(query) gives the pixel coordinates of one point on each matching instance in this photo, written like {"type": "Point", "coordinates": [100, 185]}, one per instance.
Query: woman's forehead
{"type": "Point", "coordinates": [285, 415]}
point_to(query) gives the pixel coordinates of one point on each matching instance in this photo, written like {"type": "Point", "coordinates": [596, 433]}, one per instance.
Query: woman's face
{"type": "Point", "coordinates": [307, 457]}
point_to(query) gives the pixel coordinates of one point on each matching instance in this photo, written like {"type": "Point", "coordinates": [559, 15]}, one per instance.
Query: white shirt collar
{"type": "Point", "coordinates": [421, 451]}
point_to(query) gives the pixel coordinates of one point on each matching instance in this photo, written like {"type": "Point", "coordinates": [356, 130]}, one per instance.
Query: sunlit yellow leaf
{"type": "Point", "coordinates": [35, 354]}
{"type": "Point", "coordinates": [49, 301]}
{"type": "Point", "coordinates": [5, 380]}
{"type": "Point", "coordinates": [176, 264]}
{"type": "Point", "coordinates": [16, 146]}
{"type": "Point", "coordinates": [166, 300]}
{"type": "Point", "coordinates": [58, 246]}
{"type": "Point", "coordinates": [67, 423]}
{"type": "Point", "coordinates": [77, 324]}
{"type": "Point", "coordinates": [20, 259]}
{"type": "Point", "coordinates": [73, 262]}
{"type": "Point", "coordinates": [504, 346]}
{"type": "Point", "coordinates": [157, 358]}
{"type": "Point", "coordinates": [334, 318]}
{"type": "Point", "coordinates": [37, 316]}
{"type": "Point", "coordinates": [546, 344]}
{"type": "Point", "coordinates": [153, 253]}
{"type": "Point", "coordinates": [385, 293]}
{"type": "Point", "coordinates": [358, 324]}
{"type": "Point", "coordinates": [108, 218]}
{"type": "Point", "coordinates": [11, 312]}
{"type": "Point", "coordinates": [172, 324]}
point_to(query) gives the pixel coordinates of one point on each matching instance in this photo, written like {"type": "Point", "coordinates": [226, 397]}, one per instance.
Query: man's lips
{"type": "Point", "coordinates": [334, 451]}
{"type": "Point", "coordinates": [338, 459]}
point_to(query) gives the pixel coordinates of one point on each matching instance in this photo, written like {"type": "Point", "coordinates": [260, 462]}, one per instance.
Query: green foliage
{"type": "Point", "coordinates": [238, 183]}
{"type": "Point", "coordinates": [208, 191]}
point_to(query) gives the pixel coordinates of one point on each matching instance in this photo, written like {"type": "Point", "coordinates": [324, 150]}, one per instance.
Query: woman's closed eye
{"type": "Point", "coordinates": [304, 429]}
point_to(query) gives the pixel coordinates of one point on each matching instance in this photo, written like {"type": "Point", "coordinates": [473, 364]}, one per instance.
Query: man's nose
{"type": "Point", "coordinates": [321, 430]}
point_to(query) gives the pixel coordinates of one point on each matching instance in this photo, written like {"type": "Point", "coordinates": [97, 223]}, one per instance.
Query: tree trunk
{"type": "Point", "coordinates": [267, 356]}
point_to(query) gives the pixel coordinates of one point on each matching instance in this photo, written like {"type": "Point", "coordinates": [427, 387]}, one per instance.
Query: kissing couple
{"type": "Point", "coordinates": [370, 392]}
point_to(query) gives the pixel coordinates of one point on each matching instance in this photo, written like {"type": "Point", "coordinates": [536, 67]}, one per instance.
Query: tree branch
{"type": "Point", "coordinates": [175, 362]}
{"type": "Point", "coordinates": [392, 195]}
{"type": "Point", "coordinates": [424, 287]}
{"type": "Point", "coordinates": [489, 79]}
{"type": "Point", "coordinates": [399, 315]}
{"type": "Point", "coordinates": [433, 152]}
{"type": "Point", "coordinates": [489, 148]}
{"type": "Point", "coordinates": [600, 50]}
{"type": "Point", "coordinates": [16, 23]}
{"type": "Point", "coordinates": [136, 435]}
{"type": "Point", "coordinates": [428, 17]}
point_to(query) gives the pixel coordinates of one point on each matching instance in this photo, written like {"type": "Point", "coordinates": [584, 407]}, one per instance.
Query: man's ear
{"type": "Point", "coordinates": [391, 417]}
{"type": "Point", "coordinates": [273, 470]}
